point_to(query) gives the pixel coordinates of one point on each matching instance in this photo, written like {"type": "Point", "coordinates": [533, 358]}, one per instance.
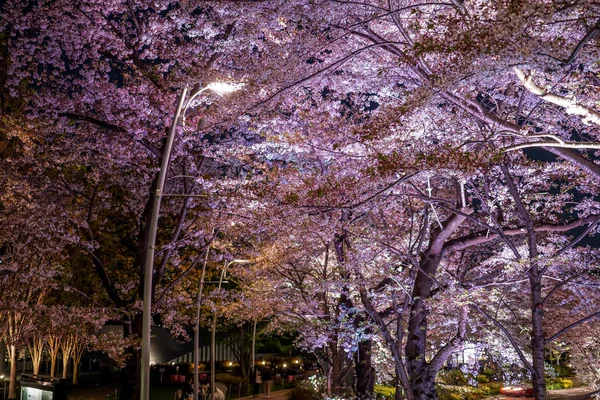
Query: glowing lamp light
{"type": "Point", "coordinates": [223, 87]}
{"type": "Point", "coordinates": [263, 363]}
{"type": "Point", "coordinates": [284, 365]}
{"type": "Point", "coordinates": [230, 363]}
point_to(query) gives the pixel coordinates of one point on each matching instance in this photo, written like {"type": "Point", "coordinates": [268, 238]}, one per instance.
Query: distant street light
{"type": "Point", "coordinates": [214, 326]}
{"type": "Point", "coordinates": [253, 367]}
{"type": "Point", "coordinates": [219, 88]}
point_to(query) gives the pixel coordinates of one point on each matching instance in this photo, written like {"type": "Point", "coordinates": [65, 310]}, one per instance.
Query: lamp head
{"type": "Point", "coordinates": [223, 87]}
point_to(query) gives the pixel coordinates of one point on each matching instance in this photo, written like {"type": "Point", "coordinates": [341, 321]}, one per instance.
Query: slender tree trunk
{"type": "Point", "coordinates": [36, 349]}
{"type": "Point", "coordinates": [535, 286]}
{"type": "Point", "coordinates": [335, 369]}
{"type": "Point", "coordinates": [53, 347]}
{"type": "Point", "coordinates": [130, 374]}
{"type": "Point", "coordinates": [538, 345]}
{"type": "Point", "coordinates": [12, 384]}
{"type": "Point", "coordinates": [2, 358]}
{"type": "Point", "coordinates": [66, 355]}
{"type": "Point", "coordinates": [363, 368]}
{"type": "Point", "coordinates": [77, 353]}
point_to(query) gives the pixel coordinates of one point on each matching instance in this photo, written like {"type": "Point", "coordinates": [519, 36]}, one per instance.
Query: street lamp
{"type": "Point", "coordinates": [197, 325]}
{"type": "Point", "coordinates": [219, 88]}
{"type": "Point", "coordinates": [253, 369]}
{"type": "Point", "coordinates": [213, 355]}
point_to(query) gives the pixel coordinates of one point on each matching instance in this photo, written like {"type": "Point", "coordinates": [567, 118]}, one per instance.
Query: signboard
{"type": "Point", "coordinates": [34, 394]}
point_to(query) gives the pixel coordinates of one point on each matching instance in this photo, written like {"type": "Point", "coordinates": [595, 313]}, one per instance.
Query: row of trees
{"type": "Point", "coordinates": [404, 175]}
{"type": "Point", "coordinates": [34, 316]}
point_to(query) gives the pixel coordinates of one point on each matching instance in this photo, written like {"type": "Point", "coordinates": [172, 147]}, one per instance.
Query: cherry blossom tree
{"type": "Point", "coordinates": [351, 112]}
{"type": "Point", "coordinates": [26, 283]}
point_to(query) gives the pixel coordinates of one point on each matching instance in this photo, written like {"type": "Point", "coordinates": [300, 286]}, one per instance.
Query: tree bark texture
{"type": "Point", "coordinates": [12, 384]}
{"type": "Point", "coordinates": [538, 345]}
{"type": "Point", "coordinates": [421, 374]}
{"type": "Point", "coordinates": [130, 374]}
{"type": "Point", "coordinates": [365, 373]}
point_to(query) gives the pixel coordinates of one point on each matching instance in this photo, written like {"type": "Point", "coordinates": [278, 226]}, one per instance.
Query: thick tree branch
{"type": "Point", "coordinates": [451, 225]}
{"type": "Point", "coordinates": [510, 338]}
{"type": "Point", "coordinates": [589, 36]}
{"type": "Point", "coordinates": [454, 344]}
{"type": "Point", "coordinates": [483, 237]}
{"type": "Point", "coordinates": [571, 105]}
{"type": "Point", "coordinates": [112, 127]}
{"type": "Point", "coordinates": [573, 325]}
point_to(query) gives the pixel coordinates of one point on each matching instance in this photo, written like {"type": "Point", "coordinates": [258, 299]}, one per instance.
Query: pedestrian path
{"type": "Point", "coordinates": [277, 395]}
{"type": "Point", "coordinates": [564, 394]}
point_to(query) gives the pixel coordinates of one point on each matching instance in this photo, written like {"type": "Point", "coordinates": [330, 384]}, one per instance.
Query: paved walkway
{"type": "Point", "coordinates": [572, 394]}
{"type": "Point", "coordinates": [277, 395]}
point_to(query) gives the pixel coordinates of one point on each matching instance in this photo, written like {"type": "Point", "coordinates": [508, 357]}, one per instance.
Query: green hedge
{"type": "Point", "coordinates": [558, 383]}
{"type": "Point", "coordinates": [452, 377]}
{"type": "Point", "coordinates": [388, 392]}
{"type": "Point", "coordinates": [302, 393]}
{"type": "Point", "coordinates": [229, 379]}
{"type": "Point", "coordinates": [454, 392]}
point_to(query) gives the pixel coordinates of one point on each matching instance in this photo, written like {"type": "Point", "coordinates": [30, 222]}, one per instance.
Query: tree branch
{"type": "Point", "coordinates": [573, 325]}
{"type": "Point", "coordinates": [590, 35]}
{"type": "Point", "coordinates": [481, 237]}
{"type": "Point", "coordinates": [510, 338]}
{"type": "Point", "coordinates": [571, 105]}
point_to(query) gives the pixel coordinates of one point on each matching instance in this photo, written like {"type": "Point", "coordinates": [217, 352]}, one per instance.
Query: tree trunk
{"type": "Point", "coordinates": [422, 380]}
{"type": "Point", "coordinates": [538, 344]}
{"type": "Point", "coordinates": [77, 353]}
{"type": "Point", "coordinates": [66, 355]}
{"type": "Point", "coordinates": [535, 286]}
{"type": "Point", "coordinates": [421, 374]}
{"type": "Point", "coordinates": [12, 384]}
{"type": "Point", "coordinates": [130, 374]}
{"type": "Point", "coordinates": [53, 347]}
{"type": "Point", "coordinates": [399, 393]}
{"type": "Point", "coordinates": [335, 369]}
{"type": "Point", "coordinates": [2, 358]}
{"type": "Point", "coordinates": [36, 350]}
{"type": "Point", "coordinates": [365, 374]}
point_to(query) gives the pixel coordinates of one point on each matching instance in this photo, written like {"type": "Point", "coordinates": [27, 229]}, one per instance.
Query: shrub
{"type": "Point", "coordinates": [452, 377]}
{"type": "Point", "coordinates": [229, 379]}
{"type": "Point", "coordinates": [492, 388]}
{"type": "Point", "coordinates": [483, 379]}
{"type": "Point", "coordinates": [558, 383]}
{"type": "Point", "coordinates": [387, 392]}
{"type": "Point", "coordinates": [563, 370]}
{"type": "Point", "coordinates": [302, 393]}
{"type": "Point", "coordinates": [567, 383]}
{"type": "Point", "coordinates": [453, 392]}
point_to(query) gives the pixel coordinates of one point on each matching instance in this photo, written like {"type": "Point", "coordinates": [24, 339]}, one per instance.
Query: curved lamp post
{"type": "Point", "coordinates": [213, 352]}
{"type": "Point", "coordinates": [219, 88]}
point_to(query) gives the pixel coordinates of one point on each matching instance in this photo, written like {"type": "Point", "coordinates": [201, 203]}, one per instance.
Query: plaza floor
{"type": "Point", "coordinates": [565, 394]}
{"type": "Point", "coordinates": [108, 393]}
